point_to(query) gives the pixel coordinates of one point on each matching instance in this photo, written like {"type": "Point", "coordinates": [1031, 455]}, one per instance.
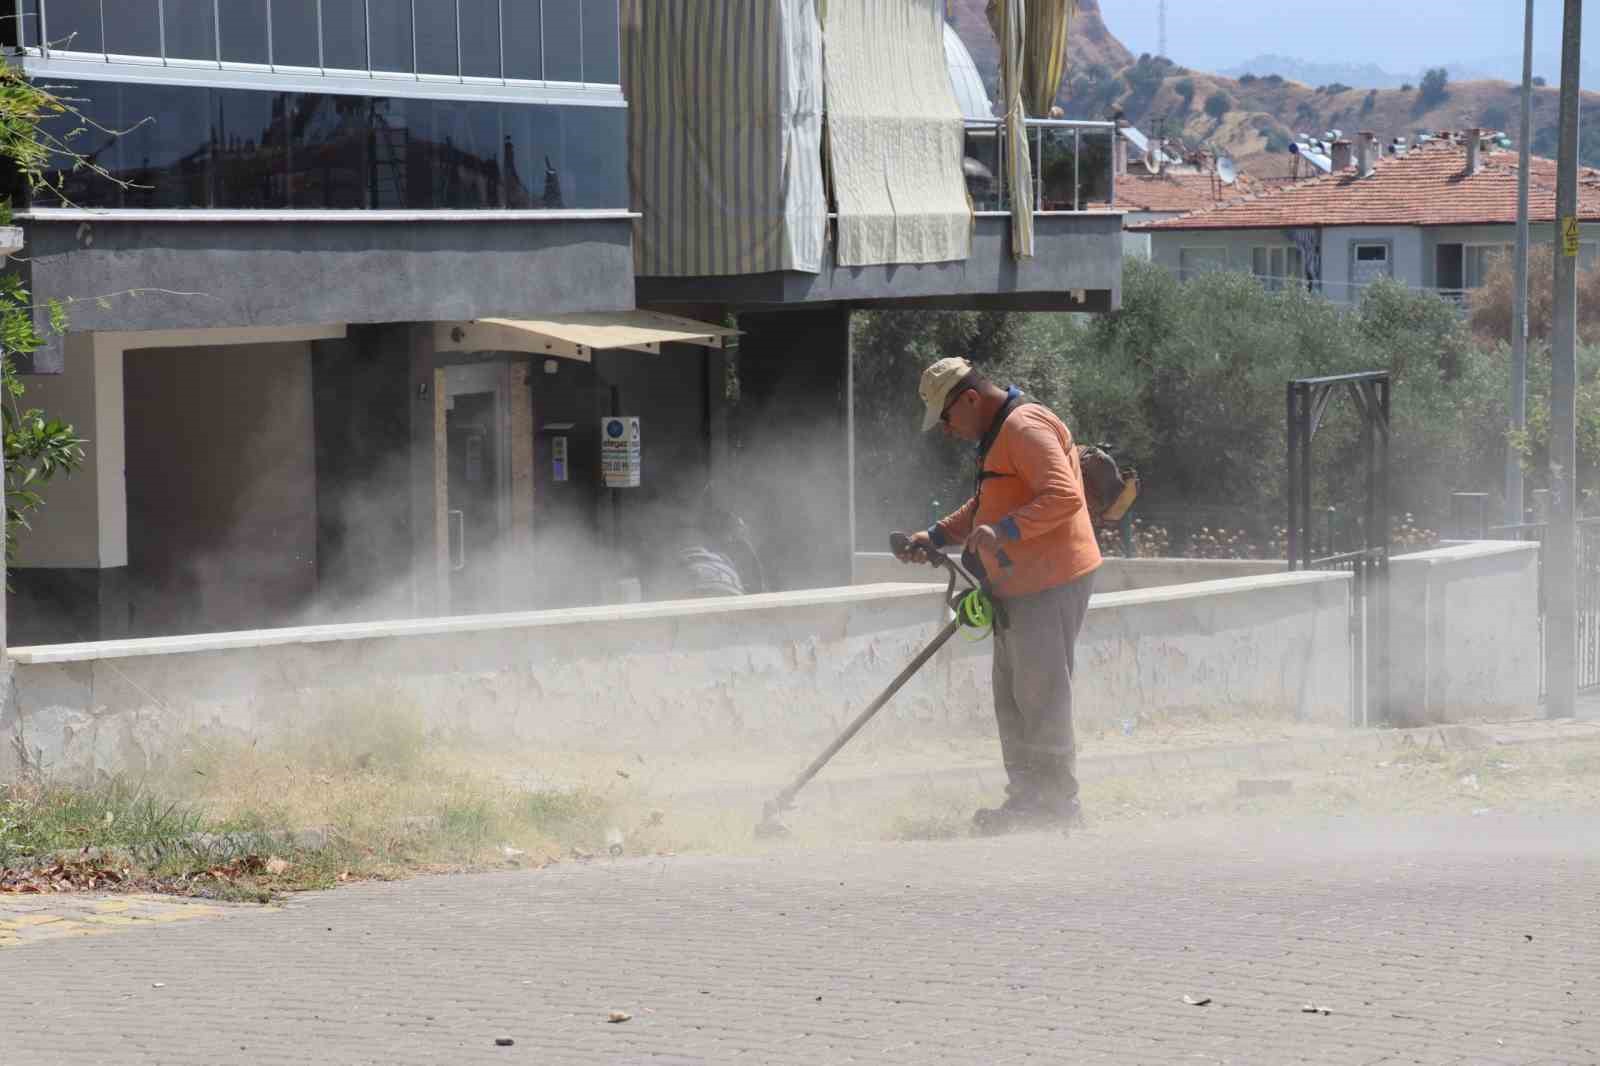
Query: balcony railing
{"type": "Point", "coordinates": [1070, 159]}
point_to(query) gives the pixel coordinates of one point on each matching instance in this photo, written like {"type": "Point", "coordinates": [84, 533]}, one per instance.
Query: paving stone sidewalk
{"type": "Point", "coordinates": [1457, 940]}
{"type": "Point", "coordinates": [54, 916]}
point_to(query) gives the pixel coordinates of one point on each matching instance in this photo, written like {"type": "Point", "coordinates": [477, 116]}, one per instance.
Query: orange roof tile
{"type": "Point", "coordinates": [1428, 186]}
{"type": "Point", "coordinates": [1176, 192]}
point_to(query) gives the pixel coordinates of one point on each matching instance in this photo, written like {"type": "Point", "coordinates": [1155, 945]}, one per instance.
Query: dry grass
{"type": "Point", "coordinates": [372, 795]}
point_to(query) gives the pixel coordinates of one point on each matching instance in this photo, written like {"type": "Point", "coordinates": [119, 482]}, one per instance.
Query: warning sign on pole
{"type": "Point", "coordinates": [1569, 236]}
{"type": "Point", "coordinates": [619, 452]}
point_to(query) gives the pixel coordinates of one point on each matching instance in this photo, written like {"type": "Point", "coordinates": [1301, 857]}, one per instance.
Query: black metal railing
{"type": "Point", "coordinates": [1070, 162]}
{"type": "Point", "coordinates": [1307, 404]}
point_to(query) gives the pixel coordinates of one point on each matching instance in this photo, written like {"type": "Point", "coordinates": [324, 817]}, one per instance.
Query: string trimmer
{"type": "Point", "coordinates": [973, 610]}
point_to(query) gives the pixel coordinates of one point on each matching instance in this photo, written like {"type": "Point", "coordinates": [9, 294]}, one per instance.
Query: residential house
{"type": "Point", "coordinates": [1432, 217]}
{"type": "Point", "coordinates": [365, 286]}
{"type": "Point", "coordinates": [1157, 182]}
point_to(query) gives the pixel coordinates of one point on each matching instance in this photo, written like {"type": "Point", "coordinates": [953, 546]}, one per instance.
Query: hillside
{"type": "Point", "coordinates": [1263, 114]}
{"type": "Point", "coordinates": [1090, 42]}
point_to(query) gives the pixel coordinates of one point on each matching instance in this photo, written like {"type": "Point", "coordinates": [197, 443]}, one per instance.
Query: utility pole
{"type": "Point", "coordinates": [1519, 315]}
{"type": "Point", "coordinates": [1560, 567]}
{"type": "Point", "coordinates": [1161, 30]}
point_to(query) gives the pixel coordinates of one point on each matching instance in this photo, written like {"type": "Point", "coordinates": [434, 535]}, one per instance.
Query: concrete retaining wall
{"type": "Point", "coordinates": [1269, 645]}
{"type": "Point", "coordinates": [761, 671]}
{"type": "Point", "coordinates": [1114, 575]}
{"type": "Point", "coordinates": [1465, 633]}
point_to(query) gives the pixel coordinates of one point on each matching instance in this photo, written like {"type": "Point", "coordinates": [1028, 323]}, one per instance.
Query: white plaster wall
{"type": "Point", "coordinates": [1464, 633]}
{"type": "Point", "coordinates": [1122, 575]}
{"type": "Point", "coordinates": [1409, 252]}
{"type": "Point", "coordinates": [760, 672]}
{"type": "Point", "coordinates": [1406, 257]}
{"type": "Point", "coordinates": [83, 522]}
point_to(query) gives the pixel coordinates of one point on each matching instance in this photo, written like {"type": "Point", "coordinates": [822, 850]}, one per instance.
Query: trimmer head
{"type": "Point", "coordinates": [771, 826]}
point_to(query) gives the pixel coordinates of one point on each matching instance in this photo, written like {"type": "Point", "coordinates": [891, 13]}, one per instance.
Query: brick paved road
{"type": "Point", "coordinates": [1081, 950]}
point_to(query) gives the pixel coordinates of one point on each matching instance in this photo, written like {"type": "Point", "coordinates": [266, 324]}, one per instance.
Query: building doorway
{"type": "Point", "coordinates": [479, 446]}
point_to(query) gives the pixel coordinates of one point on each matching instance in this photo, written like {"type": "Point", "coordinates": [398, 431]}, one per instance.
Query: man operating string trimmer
{"type": "Point", "coordinates": [1029, 527]}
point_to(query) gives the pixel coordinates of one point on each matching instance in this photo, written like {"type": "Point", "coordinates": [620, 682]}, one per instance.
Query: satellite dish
{"type": "Point", "coordinates": [1227, 171]}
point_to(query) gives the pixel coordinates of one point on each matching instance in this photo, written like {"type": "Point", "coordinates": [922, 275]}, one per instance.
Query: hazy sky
{"type": "Point", "coordinates": [1402, 36]}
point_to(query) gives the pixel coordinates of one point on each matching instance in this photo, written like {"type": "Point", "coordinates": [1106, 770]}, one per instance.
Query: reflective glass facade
{"type": "Point", "coordinates": [197, 147]}
{"type": "Point", "coordinates": [538, 40]}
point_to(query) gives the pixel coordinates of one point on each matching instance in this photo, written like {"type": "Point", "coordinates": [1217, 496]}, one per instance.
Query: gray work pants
{"type": "Point", "coordinates": [1033, 667]}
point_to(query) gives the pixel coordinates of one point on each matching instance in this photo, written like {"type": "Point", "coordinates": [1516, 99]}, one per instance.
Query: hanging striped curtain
{"type": "Point", "coordinates": [1009, 19]}
{"type": "Point", "coordinates": [894, 134]}
{"type": "Point", "coordinates": [725, 135]}
{"type": "Point", "coordinates": [1045, 55]}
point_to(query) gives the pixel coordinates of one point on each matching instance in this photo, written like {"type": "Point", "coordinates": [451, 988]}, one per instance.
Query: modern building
{"type": "Point", "coordinates": [1432, 217]}
{"type": "Point", "coordinates": [358, 287]}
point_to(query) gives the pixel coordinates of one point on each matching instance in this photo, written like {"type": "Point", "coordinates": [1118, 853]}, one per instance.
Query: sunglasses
{"type": "Point", "coordinates": [944, 416]}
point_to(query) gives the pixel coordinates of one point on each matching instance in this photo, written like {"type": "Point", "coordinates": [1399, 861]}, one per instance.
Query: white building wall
{"type": "Point", "coordinates": [83, 523]}
{"type": "Point", "coordinates": [1408, 250]}
{"type": "Point", "coordinates": [1338, 253]}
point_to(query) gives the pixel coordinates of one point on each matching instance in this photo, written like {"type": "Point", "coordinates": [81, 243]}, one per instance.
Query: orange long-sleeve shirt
{"type": "Point", "coordinates": [1031, 492]}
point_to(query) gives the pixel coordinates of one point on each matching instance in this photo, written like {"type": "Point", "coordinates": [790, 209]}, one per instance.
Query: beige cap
{"type": "Point", "coordinates": [938, 381]}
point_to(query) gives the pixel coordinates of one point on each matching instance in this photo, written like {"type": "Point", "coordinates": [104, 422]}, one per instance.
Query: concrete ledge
{"type": "Point", "coordinates": [710, 610]}
{"type": "Point", "coordinates": [1464, 632]}
{"type": "Point", "coordinates": [756, 673]}
{"type": "Point", "coordinates": [1115, 574]}
{"type": "Point", "coordinates": [11, 241]}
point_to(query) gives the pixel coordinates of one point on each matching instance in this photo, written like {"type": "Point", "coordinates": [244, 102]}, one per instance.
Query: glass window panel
{"type": "Point", "coordinates": [30, 23]}
{"type": "Point", "coordinates": [244, 31]}
{"type": "Point", "coordinates": [531, 144]}
{"type": "Point", "coordinates": [563, 41]}
{"type": "Point", "coordinates": [1258, 262]}
{"type": "Point", "coordinates": [524, 40]}
{"type": "Point", "coordinates": [331, 156]}
{"type": "Point", "coordinates": [480, 38]}
{"type": "Point", "coordinates": [191, 29]}
{"type": "Point", "coordinates": [390, 26]}
{"type": "Point", "coordinates": [1058, 159]}
{"type": "Point", "coordinates": [19, 24]}
{"type": "Point", "coordinates": [166, 151]}
{"type": "Point", "coordinates": [251, 158]}
{"type": "Point", "coordinates": [84, 188]}
{"type": "Point", "coordinates": [600, 42]}
{"type": "Point", "coordinates": [133, 27]}
{"type": "Point", "coordinates": [294, 33]}
{"type": "Point", "coordinates": [256, 149]}
{"type": "Point", "coordinates": [436, 37]}
{"type": "Point", "coordinates": [1094, 167]}
{"type": "Point", "coordinates": [74, 25]}
{"type": "Point", "coordinates": [467, 141]}
{"type": "Point", "coordinates": [344, 34]}
{"type": "Point", "coordinates": [1192, 262]}
{"type": "Point", "coordinates": [594, 174]}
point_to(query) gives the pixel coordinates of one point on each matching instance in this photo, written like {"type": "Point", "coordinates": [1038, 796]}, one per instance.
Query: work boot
{"type": "Point", "coordinates": [1019, 814]}
{"type": "Point", "coordinates": [1068, 815]}
{"type": "Point", "coordinates": [1019, 811]}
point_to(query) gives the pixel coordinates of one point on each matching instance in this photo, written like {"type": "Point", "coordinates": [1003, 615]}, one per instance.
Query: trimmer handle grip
{"type": "Point", "coordinates": [900, 543]}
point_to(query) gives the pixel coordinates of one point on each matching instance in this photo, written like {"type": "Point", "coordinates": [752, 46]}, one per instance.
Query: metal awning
{"type": "Point", "coordinates": [579, 336]}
